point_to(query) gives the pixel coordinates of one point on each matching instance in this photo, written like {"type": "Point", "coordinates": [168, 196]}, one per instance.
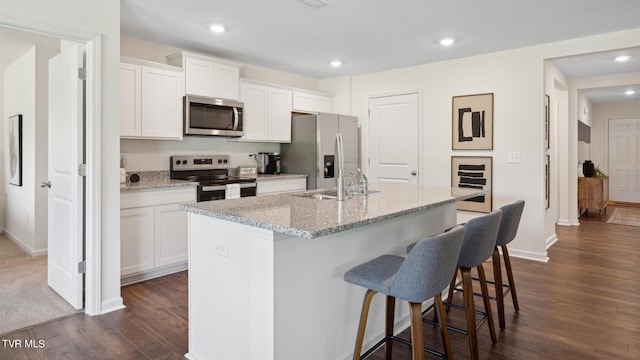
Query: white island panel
{"type": "Point", "coordinates": [257, 293]}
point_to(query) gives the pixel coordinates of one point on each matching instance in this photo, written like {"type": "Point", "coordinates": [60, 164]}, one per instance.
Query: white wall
{"type": "Point", "coordinates": [600, 128]}
{"type": "Point", "coordinates": [517, 79]}
{"type": "Point", "coordinates": [20, 98]}
{"type": "Point", "coordinates": [25, 87]}
{"type": "Point", "coordinates": [85, 20]}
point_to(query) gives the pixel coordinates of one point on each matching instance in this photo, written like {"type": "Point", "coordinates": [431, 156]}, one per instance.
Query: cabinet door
{"type": "Point", "coordinates": [171, 235]}
{"type": "Point", "coordinates": [255, 112]}
{"type": "Point", "coordinates": [324, 104]}
{"type": "Point", "coordinates": [273, 186]}
{"type": "Point", "coordinates": [225, 81]}
{"type": "Point", "coordinates": [136, 240]}
{"type": "Point", "coordinates": [161, 103]}
{"type": "Point", "coordinates": [199, 77]}
{"type": "Point", "coordinates": [129, 100]}
{"type": "Point", "coordinates": [279, 119]}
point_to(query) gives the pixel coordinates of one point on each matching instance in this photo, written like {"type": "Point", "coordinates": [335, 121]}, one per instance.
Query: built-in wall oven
{"type": "Point", "coordinates": [214, 117]}
{"type": "Point", "coordinates": [211, 172]}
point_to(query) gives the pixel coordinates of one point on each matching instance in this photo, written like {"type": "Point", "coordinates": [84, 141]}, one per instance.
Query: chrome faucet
{"type": "Point", "coordinates": [364, 183]}
{"type": "Point", "coordinates": [341, 195]}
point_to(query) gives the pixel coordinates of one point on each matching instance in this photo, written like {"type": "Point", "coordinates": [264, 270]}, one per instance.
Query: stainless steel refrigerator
{"type": "Point", "coordinates": [312, 148]}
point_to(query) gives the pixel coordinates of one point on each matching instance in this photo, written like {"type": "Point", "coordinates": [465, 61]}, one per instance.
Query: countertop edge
{"type": "Point", "coordinates": [313, 234]}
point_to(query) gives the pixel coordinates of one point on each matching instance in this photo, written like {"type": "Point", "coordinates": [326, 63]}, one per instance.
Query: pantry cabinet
{"type": "Point", "coordinates": [266, 113]}
{"type": "Point", "coordinates": [153, 233]}
{"type": "Point", "coordinates": [150, 100]}
{"type": "Point", "coordinates": [208, 76]}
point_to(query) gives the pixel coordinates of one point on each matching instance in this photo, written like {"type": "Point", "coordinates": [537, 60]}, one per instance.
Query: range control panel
{"type": "Point", "coordinates": [199, 162]}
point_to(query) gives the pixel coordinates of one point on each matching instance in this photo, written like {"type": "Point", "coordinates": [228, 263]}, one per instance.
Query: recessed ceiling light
{"type": "Point", "coordinates": [447, 41]}
{"type": "Point", "coordinates": [623, 58]}
{"type": "Point", "coordinates": [629, 92]}
{"type": "Point", "coordinates": [336, 63]}
{"type": "Point", "coordinates": [217, 28]}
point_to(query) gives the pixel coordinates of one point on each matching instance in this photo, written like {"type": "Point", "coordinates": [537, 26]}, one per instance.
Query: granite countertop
{"type": "Point", "coordinates": [280, 176]}
{"type": "Point", "coordinates": [153, 180]}
{"type": "Point", "coordinates": [311, 218]}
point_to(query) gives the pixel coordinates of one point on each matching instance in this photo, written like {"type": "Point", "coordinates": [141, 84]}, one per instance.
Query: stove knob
{"type": "Point", "coordinates": [177, 162]}
{"type": "Point", "coordinates": [225, 161]}
{"type": "Point", "coordinates": [219, 161]}
{"type": "Point", "coordinates": [184, 162]}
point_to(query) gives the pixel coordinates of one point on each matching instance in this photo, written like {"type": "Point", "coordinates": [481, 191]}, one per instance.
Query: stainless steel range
{"type": "Point", "coordinates": [212, 174]}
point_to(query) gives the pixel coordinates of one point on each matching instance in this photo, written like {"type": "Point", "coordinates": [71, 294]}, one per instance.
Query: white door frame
{"type": "Point", "coordinates": [93, 239]}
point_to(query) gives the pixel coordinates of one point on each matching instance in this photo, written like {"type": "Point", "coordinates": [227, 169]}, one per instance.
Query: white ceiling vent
{"type": "Point", "coordinates": [316, 3]}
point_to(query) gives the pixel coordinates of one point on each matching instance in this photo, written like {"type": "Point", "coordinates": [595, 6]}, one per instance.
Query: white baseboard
{"type": "Point", "coordinates": [152, 274]}
{"type": "Point", "coordinates": [529, 255]}
{"type": "Point", "coordinates": [550, 241]}
{"type": "Point", "coordinates": [568, 222]}
{"type": "Point", "coordinates": [28, 249]}
{"type": "Point", "coordinates": [112, 305]}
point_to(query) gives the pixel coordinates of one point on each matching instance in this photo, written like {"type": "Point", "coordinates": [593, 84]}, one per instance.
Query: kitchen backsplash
{"type": "Point", "coordinates": [153, 155]}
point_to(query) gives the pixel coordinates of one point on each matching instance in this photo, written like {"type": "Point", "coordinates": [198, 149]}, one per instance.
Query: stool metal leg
{"type": "Point", "coordinates": [512, 284]}
{"type": "Point", "coordinates": [442, 321]}
{"type": "Point", "coordinates": [497, 276]}
{"type": "Point", "coordinates": [417, 337]}
{"type": "Point", "coordinates": [391, 308]}
{"type": "Point", "coordinates": [467, 288]}
{"type": "Point", "coordinates": [487, 303]}
{"type": "Point", "coordinates": [368, 296]}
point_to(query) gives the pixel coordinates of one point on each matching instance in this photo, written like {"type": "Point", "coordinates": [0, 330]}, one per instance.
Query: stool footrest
{"type": "Point", "coordinates": [402, 341]}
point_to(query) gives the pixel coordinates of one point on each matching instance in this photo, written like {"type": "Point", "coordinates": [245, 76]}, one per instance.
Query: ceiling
{"type": "Point", "coordinates": [372, 35]}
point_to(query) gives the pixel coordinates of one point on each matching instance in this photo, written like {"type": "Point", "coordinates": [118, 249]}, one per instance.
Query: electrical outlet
{"type": "Point", "coordinates": [221, 248]}
{"type": "Point", "coordinates": [513, 157]}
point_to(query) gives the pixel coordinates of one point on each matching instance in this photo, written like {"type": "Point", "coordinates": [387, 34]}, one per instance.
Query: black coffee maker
{"type": "Point", "coordinates": [268, 162]}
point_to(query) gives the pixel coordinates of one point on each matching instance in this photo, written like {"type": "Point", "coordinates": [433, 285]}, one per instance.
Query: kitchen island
{"type": "Point", "coordinates": [265, 273]}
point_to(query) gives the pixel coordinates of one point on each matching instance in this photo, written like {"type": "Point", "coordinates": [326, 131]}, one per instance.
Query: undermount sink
{"type": "Point", "coordinates": [327, 194]}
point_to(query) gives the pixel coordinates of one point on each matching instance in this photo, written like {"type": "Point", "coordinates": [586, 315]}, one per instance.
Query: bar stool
{"type": "Point", "coordinates": [511, 215]}
{"type": "Point", "coordinates": [479, 241]}
{"type": "Point", "coordinates": [422, 275]}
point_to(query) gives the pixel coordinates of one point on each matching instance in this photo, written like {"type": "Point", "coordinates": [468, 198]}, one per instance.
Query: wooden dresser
{"type": "Point", "coordinates": [593, 193]}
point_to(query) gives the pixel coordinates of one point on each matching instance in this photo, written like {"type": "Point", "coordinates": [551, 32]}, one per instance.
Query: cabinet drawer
{"type": "Point", "coordinates": [157, 197]}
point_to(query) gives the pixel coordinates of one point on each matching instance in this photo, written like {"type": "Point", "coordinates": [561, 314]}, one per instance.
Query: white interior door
{"type": "Point", "coordinates": [65, 184]}
{"type": "Point", "coordinates": [624, 160]}
{"type": "Point", "coordinates": [394, 138]}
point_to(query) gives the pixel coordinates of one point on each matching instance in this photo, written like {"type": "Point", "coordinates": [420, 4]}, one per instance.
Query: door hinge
{"type": "Point", "coordinates": [82, 169]}
{"type": "Point", "coordinates": [82, 73]}
{"type": "Point", "coordinates": [82, 267]}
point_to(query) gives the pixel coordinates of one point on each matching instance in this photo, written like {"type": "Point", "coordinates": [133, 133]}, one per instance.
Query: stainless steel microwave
{"type": "Point", "coordinates": [213, 117]}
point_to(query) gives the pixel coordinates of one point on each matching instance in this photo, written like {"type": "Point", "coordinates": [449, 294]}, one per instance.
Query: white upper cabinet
{"type": "Point", "coordinates": [150, 100]}
{"type": "Point", "coordinates": [207, 76]}
{"type": "Point", "coordinates": [312, 102]}
{"type": "Point", "coordinates": [266, 113]}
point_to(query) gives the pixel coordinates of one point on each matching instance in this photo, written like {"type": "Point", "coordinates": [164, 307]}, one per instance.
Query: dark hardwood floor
{"type": "Point", "coordinates": [583, 304]}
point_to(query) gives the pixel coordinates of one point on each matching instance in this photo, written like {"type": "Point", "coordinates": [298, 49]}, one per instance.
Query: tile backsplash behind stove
{"type": "Point", "coordinates": [153, 155]}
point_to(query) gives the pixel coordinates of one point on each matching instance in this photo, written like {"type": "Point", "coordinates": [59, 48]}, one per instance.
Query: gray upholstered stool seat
{"type": "Point", "coordinates": [511, 215]}
{"type": "Point", "coordinates": [480, 236]}
{"type": "Point", "coordinates": [422, 275]}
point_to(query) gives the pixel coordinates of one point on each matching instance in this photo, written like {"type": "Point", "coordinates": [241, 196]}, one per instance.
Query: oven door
{"type": "Point", "coordinates": [208, 193]}
{"type": "Point", "coordinates": [209, 116]}
{"type": "Point", "coordinates": [248, 189]}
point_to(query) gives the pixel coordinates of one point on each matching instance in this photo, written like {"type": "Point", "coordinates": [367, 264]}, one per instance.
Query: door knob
{"type": "Point", "coordinates": [45, 184]}
{"type": "Point", "coordinates": [413, 173]}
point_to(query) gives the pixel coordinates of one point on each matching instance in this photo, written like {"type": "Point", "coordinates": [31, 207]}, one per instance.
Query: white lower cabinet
{"type": "Point", "coordinates": [153, 233]}
{"type": "Point", "coordinates": [274, 186]}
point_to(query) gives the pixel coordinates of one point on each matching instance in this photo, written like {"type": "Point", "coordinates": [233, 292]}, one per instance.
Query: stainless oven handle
{"type": "Point", "coordinates": [235, 118]}
{"type": "Point", "coordinates": [214, 188]}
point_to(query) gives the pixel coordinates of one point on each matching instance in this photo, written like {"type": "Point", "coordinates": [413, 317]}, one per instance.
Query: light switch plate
{"type": "Point", "coordinates": [222, 248]}
{"type": "Point", "coordinates": [513, 157]}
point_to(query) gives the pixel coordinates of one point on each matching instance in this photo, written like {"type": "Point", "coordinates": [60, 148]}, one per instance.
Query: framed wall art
{"type": "Point", "coordinates": [472, 122]}
{"type": "Point", "coordinates": [473, 172]}
{"type": "Point", "coordinates": [15, 150]}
